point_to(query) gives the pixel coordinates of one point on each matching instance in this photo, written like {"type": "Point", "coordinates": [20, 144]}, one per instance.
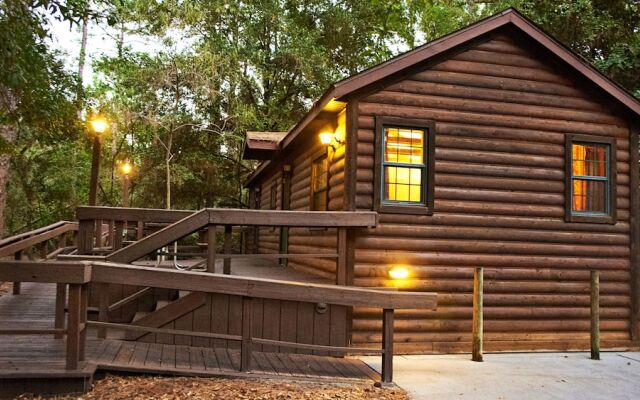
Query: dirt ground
{"type": "Point", "coordinates": [114, 387]}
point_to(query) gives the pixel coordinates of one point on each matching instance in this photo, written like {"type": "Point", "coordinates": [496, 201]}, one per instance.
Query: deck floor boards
{"type": "Point", "coordinates": [43, 354]}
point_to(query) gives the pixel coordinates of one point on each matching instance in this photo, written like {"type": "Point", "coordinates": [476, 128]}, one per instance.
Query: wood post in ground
{"type": "Point", "coordinates": [103, 307]}
{"type": "Point", "coordinates": [211, 249]}
{"type": "Point", "coordinates": [387, 346]}
{"type": "Point", "coordinates": [595, 315]}
{"type": "Point", "coordinates": [477, 331]}
{"type": "Point", "coordinates": [246, 345]}
{"type": "Point", "coordinates": [73, 326]}
{"type": "Point", "coordinates": [61, 303]}
{"type": "Point", "coordinates": [226, 269]}
{"type": "Point", "coordinates": [16, 285]}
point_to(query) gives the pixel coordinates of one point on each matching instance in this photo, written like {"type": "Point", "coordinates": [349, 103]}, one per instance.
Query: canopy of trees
{"type": "Point", "coordinates": [178, 112]}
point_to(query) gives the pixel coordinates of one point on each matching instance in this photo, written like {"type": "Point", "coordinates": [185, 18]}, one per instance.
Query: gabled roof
{"type": "Point", "coordinates": [508, 18]}
{"type": "Point", "coordinates": [261, 145]}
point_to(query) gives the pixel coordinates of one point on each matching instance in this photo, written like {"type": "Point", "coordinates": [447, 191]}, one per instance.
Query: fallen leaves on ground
{"type": "Point", "coordinates": [164, 388]}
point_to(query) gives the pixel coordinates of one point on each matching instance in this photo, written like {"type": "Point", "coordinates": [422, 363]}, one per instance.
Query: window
{"type": "Point", "coordinates": [590, 179]}
{"type": "Point", "coordinates": [404, 165]}
{"type": "Point", "coordinates": [320, 183]}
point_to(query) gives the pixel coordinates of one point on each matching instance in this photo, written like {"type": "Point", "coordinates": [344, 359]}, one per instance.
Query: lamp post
{"type": "Point", "coordinates": [126, 169]}
{"type": "Point", "coordinates": [99, 126]}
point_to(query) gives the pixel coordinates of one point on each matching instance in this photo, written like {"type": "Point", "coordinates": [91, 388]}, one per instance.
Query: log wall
{"type": "Point", "coordinates": [501, 113]}
{"type": "Point", "coordinates": [305, 240]}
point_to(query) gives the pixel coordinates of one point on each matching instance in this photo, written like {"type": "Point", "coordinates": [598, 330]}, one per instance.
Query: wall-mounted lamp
{"type": "Point", "coordinates": [398, 272]}
{"type": "Point", "coordinates": [330, 139]}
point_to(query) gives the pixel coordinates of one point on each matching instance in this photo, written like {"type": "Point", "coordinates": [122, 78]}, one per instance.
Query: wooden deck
{"type": "Point", "coordinates": [28, 362]}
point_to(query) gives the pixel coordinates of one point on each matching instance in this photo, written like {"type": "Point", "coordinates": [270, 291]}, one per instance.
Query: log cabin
{"type": "Point", "coordinates": [494, 146]}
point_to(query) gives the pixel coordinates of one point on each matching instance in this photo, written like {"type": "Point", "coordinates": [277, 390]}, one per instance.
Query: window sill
{"type": "Point", "coordinates": [592, 219]}
{"type": "Point", "coordinates": [400, 209]}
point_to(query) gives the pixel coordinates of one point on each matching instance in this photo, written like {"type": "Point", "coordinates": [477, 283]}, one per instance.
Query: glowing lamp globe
{"type": "Point", "coordinates": [99, 125]}
{"type": "Point", "coordinates": [326, 138]}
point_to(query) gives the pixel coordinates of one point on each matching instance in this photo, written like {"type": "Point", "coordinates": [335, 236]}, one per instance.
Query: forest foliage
{"type": "Point", "coordinates": [178, 112]}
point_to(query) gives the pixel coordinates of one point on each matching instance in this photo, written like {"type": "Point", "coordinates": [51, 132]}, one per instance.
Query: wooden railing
{"type": "Point", "coordinates": [16, 246]}
{"type": "Point", "coordinates": [478, 317]}
{"type": "Point", "coordinates": [184, 223]}
{"type": "Point", "coordinates": [79, 274]}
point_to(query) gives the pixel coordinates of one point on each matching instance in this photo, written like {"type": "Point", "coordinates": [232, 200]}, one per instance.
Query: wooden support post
{"type": "Point", "coordinates": [477, 330]}
{"type": "Point", "coordinates": [103, 307]}
{"type": "Point", "coordinates": [387, 347]}
{"type": "Point", "coordinates": [61, 303]}
{"type": "Point", "coordinates": [140, 230]}
{"type": "Point", "coordinates": [111, 236]}
{"type": "Point", "coordinates": [226, 266]}
{"type": "Point", "coordinates": [118, 235]}
{"type": "Point", "coordinates": [62, 241]}
{"type": "Point", "coordinates": [16, 285]}
{"type": "Point", "coordinates": [44, 249]}
{"type": "Point", "coordinates": [211, 249]}
{"type": "Point", "coordinates": [84, 303]}
{"type": "Point", "coordinates": [595, 315]}
{"type": "Point", "coordinates": [73, 326]}
{"type": "Point", "coordinates": [341, 262]}
{"type": "Point", "coordinates": [246, 345]}
{"type": "Point", "coordinates": [86, 228]}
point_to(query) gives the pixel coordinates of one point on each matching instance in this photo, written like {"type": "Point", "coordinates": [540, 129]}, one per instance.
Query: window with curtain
{"type": "Point", "coordinates": [590, 179]}
{"type": "Point", "coordinates": [319, 183]}
{"type": "Point", "coordinates": [404, 165]}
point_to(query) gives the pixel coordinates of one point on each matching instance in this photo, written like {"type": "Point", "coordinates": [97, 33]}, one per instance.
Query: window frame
{"type": "Point", "coordinates": [428, 174]}
{"type": "Point", "coordinates": [572, 216]}
{"type": "Point", "coordinates": [312, 191]}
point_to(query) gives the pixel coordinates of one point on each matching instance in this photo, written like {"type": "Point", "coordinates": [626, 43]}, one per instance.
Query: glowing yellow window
{"type": "Point", "coordinates": [404, 165]}
{"type": "Point", "coordinates": [589, 178]}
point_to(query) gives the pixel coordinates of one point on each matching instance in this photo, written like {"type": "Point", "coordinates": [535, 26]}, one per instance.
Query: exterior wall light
{"type": "Point", "coordinates": [330, 139]}
{"type": "Point", "coordinates": [398, 272]}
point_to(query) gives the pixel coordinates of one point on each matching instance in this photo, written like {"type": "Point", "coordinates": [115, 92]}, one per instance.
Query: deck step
{"type": "Point", "coordinates": [167, 313]}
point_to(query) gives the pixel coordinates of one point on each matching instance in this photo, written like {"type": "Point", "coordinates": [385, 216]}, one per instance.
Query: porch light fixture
{"type": "Point", "coordinates": [398, 272]}
{"type": "Point", "coordinates": [330, 139]}
{"type": "Point", "coordinates": [99, 125]}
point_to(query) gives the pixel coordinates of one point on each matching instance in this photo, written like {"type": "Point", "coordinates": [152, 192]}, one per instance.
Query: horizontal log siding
{"type": "Point", "coordinates": [501, 118]}
{"type": "Point", "coordinates": [304, 240]}
{"type": "Point", "coordinates": [268, 237]}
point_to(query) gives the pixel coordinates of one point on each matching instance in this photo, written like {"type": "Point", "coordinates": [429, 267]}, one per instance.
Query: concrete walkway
{"type": "Point", "coordinates": [518, 376]}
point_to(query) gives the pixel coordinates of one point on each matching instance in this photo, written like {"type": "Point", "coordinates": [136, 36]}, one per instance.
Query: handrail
{"type": "Point", "coordinates": [113, 273]}
{"type": "Point", "coordinates": [20, 236]}
{"type": "Point", "coordinates": [35, 239]}
{"type": "Point", "coordinates": [131, 214]}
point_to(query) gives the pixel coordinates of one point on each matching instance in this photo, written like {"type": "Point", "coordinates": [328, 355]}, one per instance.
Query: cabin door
{"type": "Point", "coordinates": [286, 205]}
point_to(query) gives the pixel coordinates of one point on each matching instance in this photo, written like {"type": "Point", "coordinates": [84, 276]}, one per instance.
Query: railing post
{"type": "Point", "coordinates": [16, 285]}
{"type": "Point", "coordinates": [85, 236]}
{"type": "Point", "coordinates": [140, 230]}
{"type": "Point", "coordinates": [84, 303]}
{"type": "Point", "coordinates": [211, 249]}
{"type": "Point", "coordinates": [73, 326]}
{"type": "Point", "coordinates": [98, 233]}
{"type": "Point", "coordinates": [387, 347]}
{"type": "Point", "coordinates": [226, 266]}
{"type": "Point", "coordinates": [103, 307]}
{"type": "Point", "coordinates": [118, 235]}
{"type": "Point", "coordinates": [111, 236]}
{"type": "Point", "coordinates": [477, 330]}
{"type": "Point", "coordinates": [595, 315]}
{"type": "Point", "coordinates": [61, 303]}
{"type": "Point", "coordinates": [246, 346]}
{"type": "Point", "coordinates": [341, 262]}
